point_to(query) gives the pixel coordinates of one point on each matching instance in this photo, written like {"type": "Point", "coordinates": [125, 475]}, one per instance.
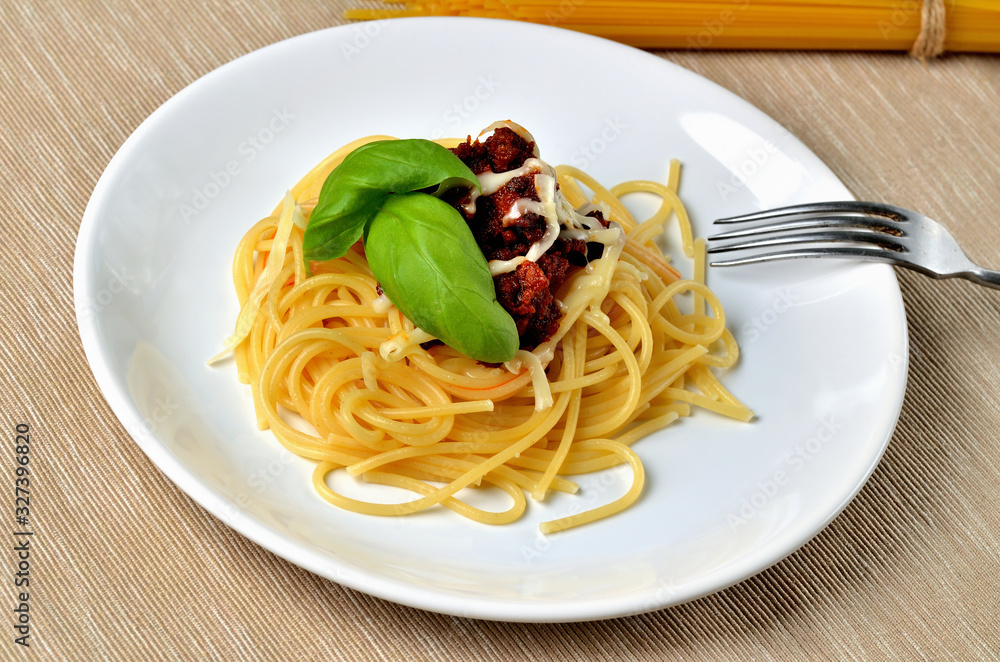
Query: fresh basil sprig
{"type": "Point", "coordinates": [427, 261]}
{"type": "Point", "coordinates": [419, 247]}
{"type": "Point", "coordinates": [348, 197]}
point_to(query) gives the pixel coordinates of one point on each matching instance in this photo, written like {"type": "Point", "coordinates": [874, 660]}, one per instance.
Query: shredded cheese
{"type": "Point", "coordinates": [291, 214]}
{"type": "Point", "coordinates": [539, 380]}
{"type": "Point", "coordinates": [399, 345]}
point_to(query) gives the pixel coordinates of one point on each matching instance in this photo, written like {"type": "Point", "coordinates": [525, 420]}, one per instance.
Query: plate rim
{"type": "Point", "coordinates": [490, 608]}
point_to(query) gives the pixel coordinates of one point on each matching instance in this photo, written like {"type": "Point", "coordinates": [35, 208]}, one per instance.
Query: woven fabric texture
{"type": "Point", "coordinates": [129, 567]}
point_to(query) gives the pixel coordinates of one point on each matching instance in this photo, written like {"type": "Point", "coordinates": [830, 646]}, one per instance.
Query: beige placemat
{"type": "Point", "coordinates": [125, 566]}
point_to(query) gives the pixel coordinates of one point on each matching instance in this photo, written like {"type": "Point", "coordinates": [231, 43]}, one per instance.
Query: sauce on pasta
{"type": "Point", "coordinates": [628, 356]}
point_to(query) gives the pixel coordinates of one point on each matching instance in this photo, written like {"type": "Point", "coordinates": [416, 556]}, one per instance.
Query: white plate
{"type": "Point", "coordinates": [824, 344]}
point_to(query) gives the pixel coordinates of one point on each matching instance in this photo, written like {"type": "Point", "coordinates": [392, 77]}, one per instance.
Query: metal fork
{"type": "Point", "coordinates": [868, 231]}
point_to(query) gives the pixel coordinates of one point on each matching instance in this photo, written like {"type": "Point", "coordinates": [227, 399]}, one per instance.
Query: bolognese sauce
{"type": "Point", "coordinates": [515, 223]}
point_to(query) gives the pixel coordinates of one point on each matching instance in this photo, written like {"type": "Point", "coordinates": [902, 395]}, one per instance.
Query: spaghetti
{"type": "Point", "coordinates": [391, 410]}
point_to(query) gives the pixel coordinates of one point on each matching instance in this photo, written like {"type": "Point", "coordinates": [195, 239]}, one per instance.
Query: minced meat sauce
{"type": "Point", "coordinates": [505, 227]}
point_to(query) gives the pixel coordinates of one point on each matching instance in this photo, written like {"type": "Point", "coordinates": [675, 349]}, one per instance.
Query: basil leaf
{"type": "Point", "coordinates": [349, 194]}
{"type": "Point", "coordinates": [424, 255]}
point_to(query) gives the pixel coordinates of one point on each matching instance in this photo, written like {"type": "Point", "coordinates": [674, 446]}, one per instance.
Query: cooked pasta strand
{"type": "Point", "coordinates": [625, 362]}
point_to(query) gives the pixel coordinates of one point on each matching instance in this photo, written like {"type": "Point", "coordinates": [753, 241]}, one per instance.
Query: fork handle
{"type": "Point", "coordinates": [986, 277]}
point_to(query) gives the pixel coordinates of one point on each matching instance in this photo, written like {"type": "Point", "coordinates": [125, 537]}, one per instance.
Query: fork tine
{"type": "Point", "coordinates": [832, 221]}
{"type": "Point", "coordinates": [846, 207]}
{"type": "Point", "coordinates": [843, 236]}
{"type": "Point", "coordinates": [852, 252]}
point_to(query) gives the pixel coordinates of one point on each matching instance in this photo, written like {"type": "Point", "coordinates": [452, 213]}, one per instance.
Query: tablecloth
{"type": "Point", "coordinates": [124, 565]}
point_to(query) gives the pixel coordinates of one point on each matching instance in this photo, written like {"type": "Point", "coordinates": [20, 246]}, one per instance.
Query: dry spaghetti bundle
{"type": "Point", "coordinates": [391, 409]}
{"type": "Point", "coordinates": [926, 27]}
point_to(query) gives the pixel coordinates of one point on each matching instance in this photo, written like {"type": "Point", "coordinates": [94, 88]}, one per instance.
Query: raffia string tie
{"type": "Point", "coordinates": [930, 41]}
